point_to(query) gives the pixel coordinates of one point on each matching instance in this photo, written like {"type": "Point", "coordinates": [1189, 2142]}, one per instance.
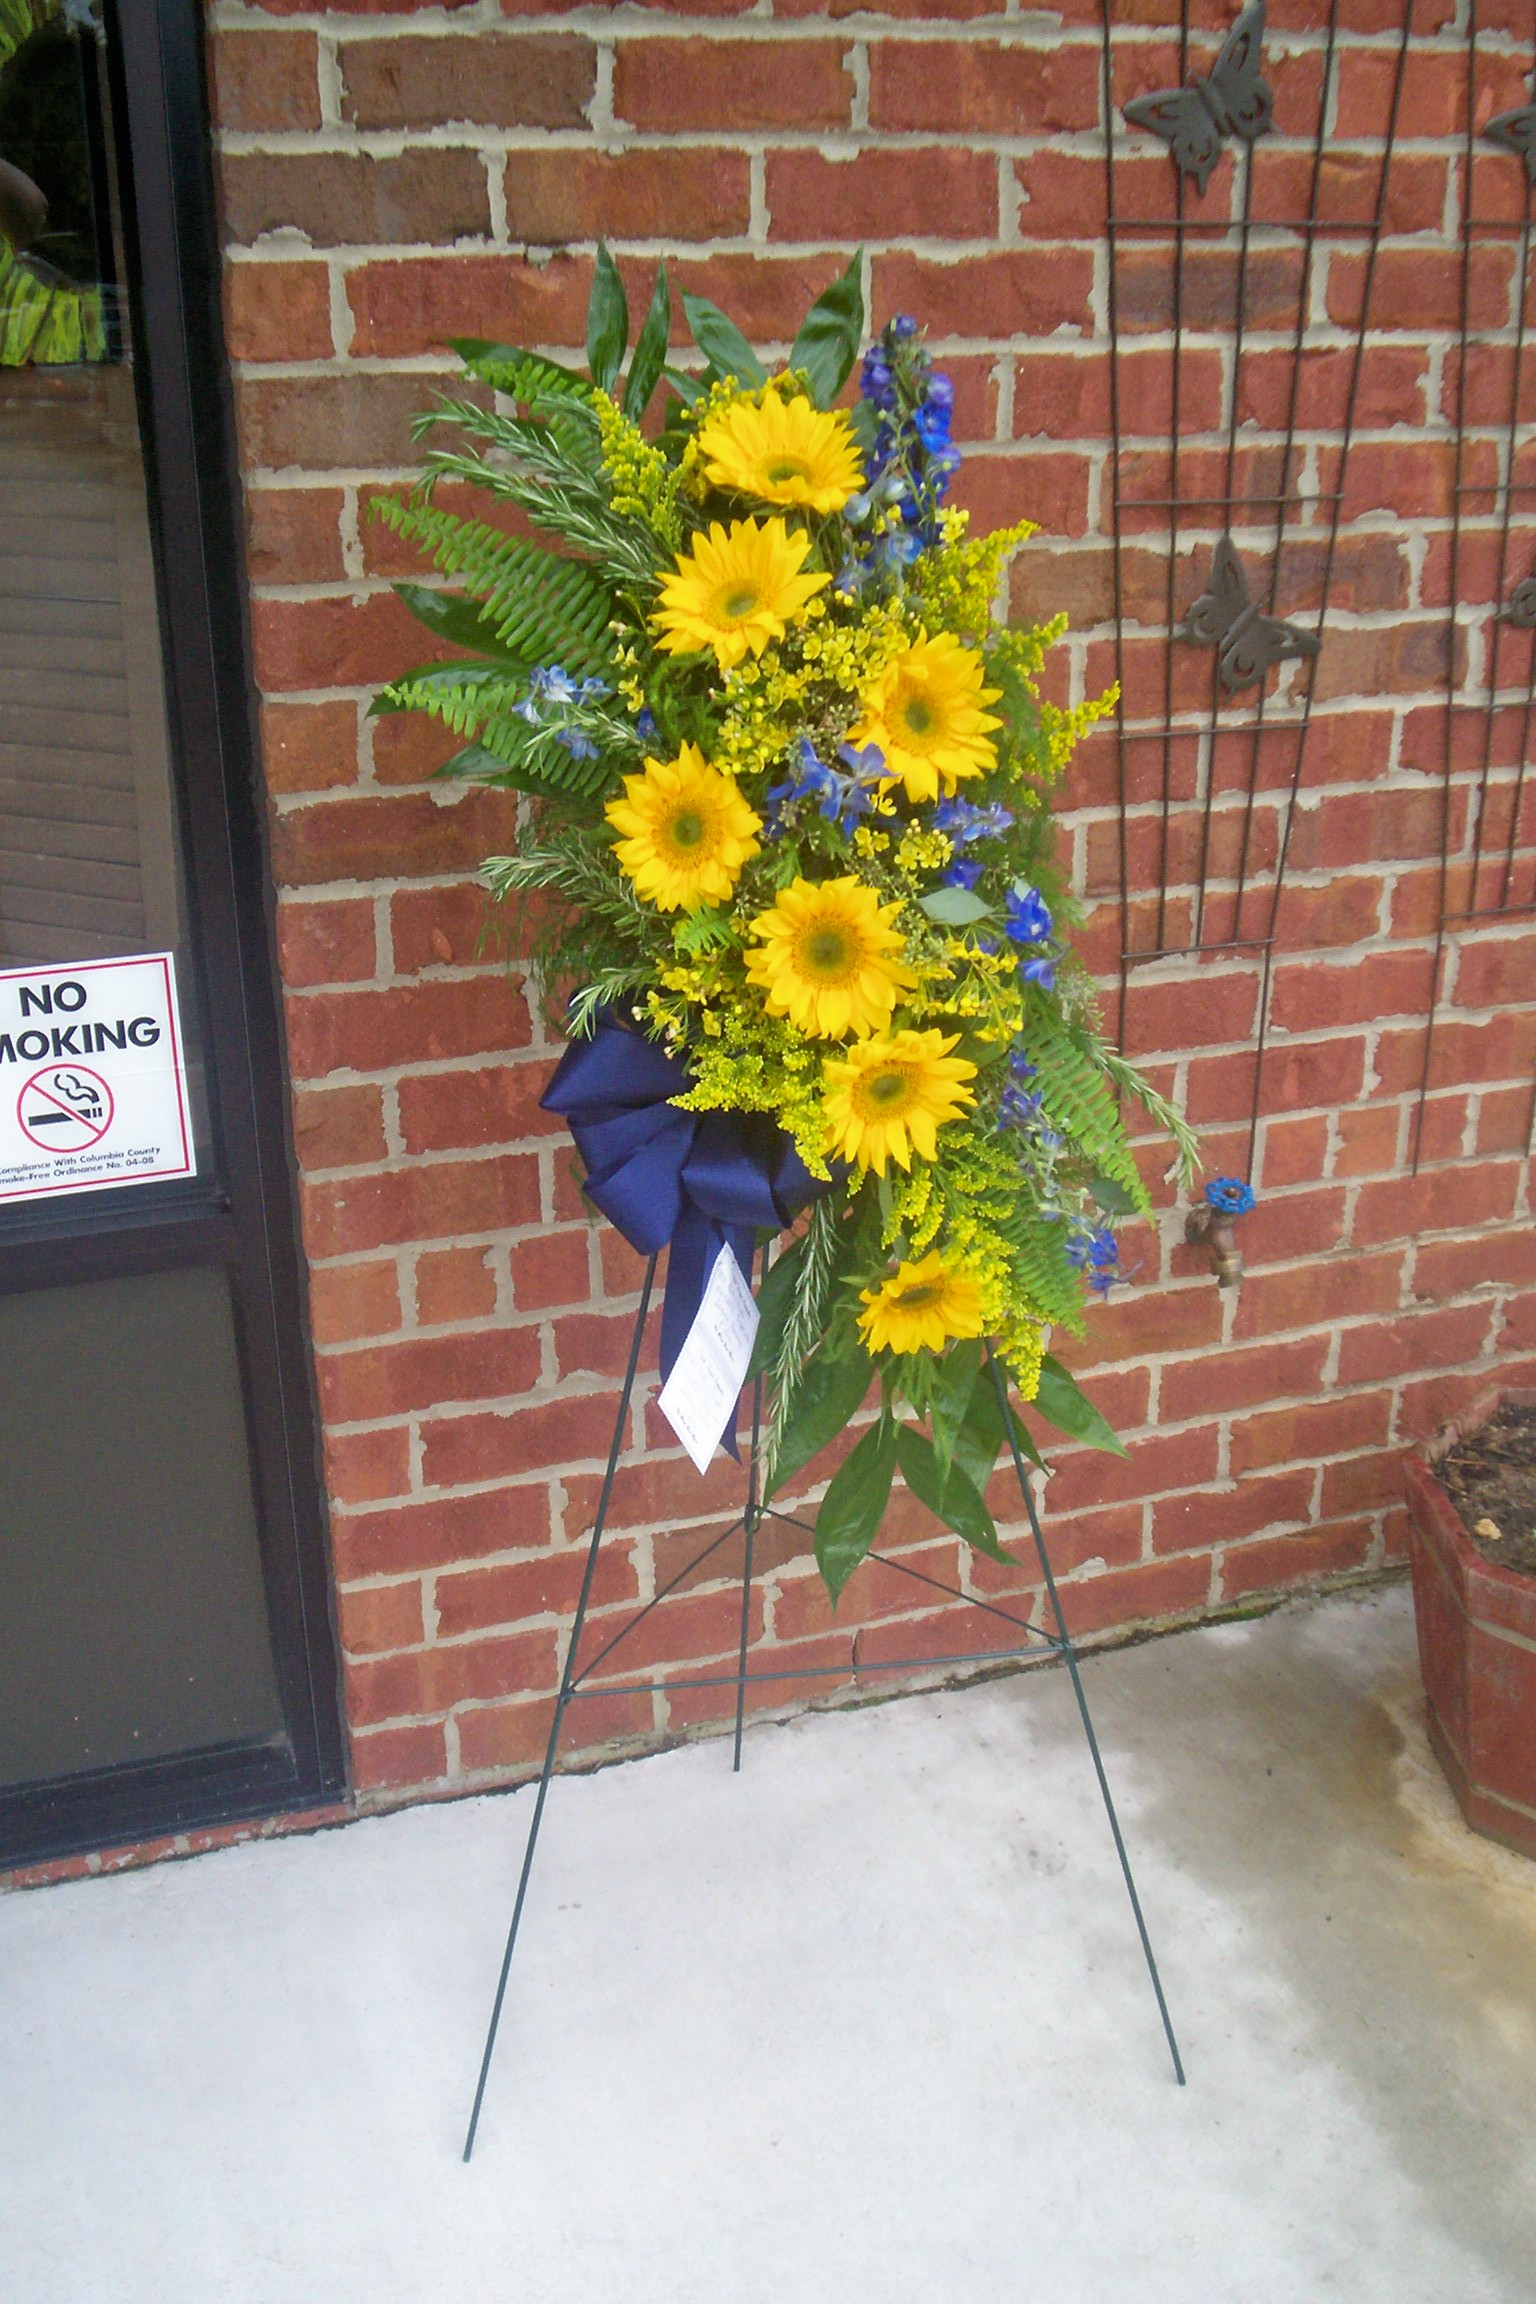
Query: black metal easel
{"type": "Point", "coordinates": [576, 1682]}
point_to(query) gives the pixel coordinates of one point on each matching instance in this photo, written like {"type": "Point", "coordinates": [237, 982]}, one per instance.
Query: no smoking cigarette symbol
{"type": "Point", "coordinates": [65, 1108]}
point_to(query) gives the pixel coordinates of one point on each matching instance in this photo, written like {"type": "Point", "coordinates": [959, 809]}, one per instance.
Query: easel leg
{"type": "Point", "coordinates": [562, 1699]}
{"type": "Point", "coordinates": [1070, 1653]}
{"type": "Point", "coordinates": [750, 1519]}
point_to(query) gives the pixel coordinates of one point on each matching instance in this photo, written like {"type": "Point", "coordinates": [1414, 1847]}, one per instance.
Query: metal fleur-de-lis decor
{"type": "Point", "coordinates": [1522, 605]}
{"type": "Point", "coordinates": [1248, 644]}
{"type": "Point", "coordinates": [1235, 100]}
{"type": "Point", "coordinates": [1516, 132]}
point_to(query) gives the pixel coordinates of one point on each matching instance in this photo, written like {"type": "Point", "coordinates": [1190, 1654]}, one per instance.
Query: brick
{"type": "Point", "coordinates": [374, 1618]}
{"type": "Point", "coordinates": [982, 87]}
{"type": "Point", "coordinates": [1368, 1140]}
{"type": "Point", "coordinates": [451, 927]}
{"type": "Point", "coordinates": [555, 197]}
{"type": "Point", "coordinates": [454, 1285]}
{"type": "Point", "coordinates": [367, 1467]}
{"type": "Point", "coordinates": [326, 943]}
{"type": "Point", "coordinates": [986, 296]}
{"type": "Point", "coordinates": [293, 536]}
{"type": "Point", "coordinates": [1207, 1518]}
{"type": "Point", "coordinates": [344, 199]}
{"type": "Point", "coordinates": [308, 747]}
{"type": "Point", "coordinates": [459, 1449]}
{"type": "Point", "coordinates": [1302, 1435]}
{"type": "Point", "coordinates": [389, 837]}
{"type": "Point", "coordinates": [1309, 998]}
{"type": "Point", "coordinates": [1437, 1200]}
{"type": "Point", "coordinates": [338, 1127]}
{"type": "Point", "coordinates": [1308, 1295]}
{"type": "Point", "coordinates": [351, 1300]}
{"type": "Point", "coordinates": [265, 79]}
{"type": "Point", "coordinates": [1361, 1484]}
{"type": "Point", "coordinates": [1444, 1268]}
{"type": "Point", "coordinates": [511, 1592]}
{"type": "Point", "coordinates": [492, 80]}
{"type": "Point", "coordinates": [553, 1268]}
{"type": "Point", "coordinates": [417, 304]}
{"type": "Point", "coordinates": [1295, 1151]}
{"type": "Point", "coordinates": [715, 85]}
{"type": "Point", "coordinates": [439, 1533]}
{"type": "Point", "coordinates": [494, 1104]}
{"type": "Point", "coordinates": [1164, 1461]}
{"type": "Point", "coordinates": [1282, 1562]}
{"type": "Point", "coordinates": [443, 1200]}
{"type": "Point", "coordinates": [1414, 1341]}
{"type": "Point", "coordinates": [371, 1031]}
{"type": "Point", "coordinates": [512, 1737]}
{"type": "Point", "coordinates": [425, 1680]}
{"type": "Point", "coordinates": [324, 423]}
{"type": "Point", "coordinates": [876, 196]}
{"type": "Point", "coordinates": [397, 1756]}
{"type": "Point", "coordinates": [1162, 1588]}
{"type": "Point", "coordinates": [1228, 1380]}
{"type": "Point", "coordinates": [277, 311]}
{"type": "Point", "coordinates": [1496, 972]}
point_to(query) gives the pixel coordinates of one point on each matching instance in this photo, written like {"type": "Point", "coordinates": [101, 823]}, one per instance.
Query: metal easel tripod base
{"type": "Point", "coordinates": [577, 1681]}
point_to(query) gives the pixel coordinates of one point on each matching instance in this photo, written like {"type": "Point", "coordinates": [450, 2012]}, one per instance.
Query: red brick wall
{"type": "Point", "coordinates": [392, 176]}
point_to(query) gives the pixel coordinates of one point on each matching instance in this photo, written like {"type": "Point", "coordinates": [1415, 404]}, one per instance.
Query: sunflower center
{"type": "Point", "coordinates": [687, 828]}
{"type": "Point", "coordinates": [917, 1295]}
{"type": "Point", "coordinates": [738, 601]}
{"type": "Point", "coordinates": [826, 950]}
{"type": "Point", "coordinates": [787, 468]}
{"type": "Point", "coordinates": [917, 715]}
{"type": "Point", "coordinates": [885, 1088]}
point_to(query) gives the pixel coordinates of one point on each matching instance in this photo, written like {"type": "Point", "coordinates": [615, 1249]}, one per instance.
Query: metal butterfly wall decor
{"type": "Point", "coordinates": [1516, 132]}
{"type": "Point", "coordinates": [1248, 643]}
{"type": "Point", "coordinates": [1235, 100]}
{"type": "Point", "coordinates": [1522, 605]}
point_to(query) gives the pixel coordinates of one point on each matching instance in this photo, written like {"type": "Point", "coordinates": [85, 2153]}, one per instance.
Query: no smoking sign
{"type": "Point", "coordinates": [100, 1094]}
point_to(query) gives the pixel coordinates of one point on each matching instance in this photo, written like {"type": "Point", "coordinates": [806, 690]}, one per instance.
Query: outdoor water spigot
{"type": "Point", "coordinates": [1212, 1226]}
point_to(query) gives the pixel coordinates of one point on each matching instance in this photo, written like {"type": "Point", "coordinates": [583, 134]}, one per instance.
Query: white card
{"type": "Point", "coordinates": [699, 1397]}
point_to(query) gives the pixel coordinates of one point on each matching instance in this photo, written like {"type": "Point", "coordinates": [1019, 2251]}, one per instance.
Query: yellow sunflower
{"type": "Point", "coordinates": [825, 960]}
{"type": "Point", "coordinates": [925, 711]}
{"type": "Point", "coordinates": [920, 1307]}
{"type": "Point", "coordinates": [736, 590]}
{"type": "Point", "coordinates": [888, 1097]}
{"type": "Point", "coordinates": [687, 830]}
{"type": "Point", "coordinates": [785, 452]}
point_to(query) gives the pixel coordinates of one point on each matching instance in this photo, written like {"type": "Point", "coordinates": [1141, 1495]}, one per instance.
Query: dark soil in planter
{"type": "Point", "coordinates": [1491, 1475]}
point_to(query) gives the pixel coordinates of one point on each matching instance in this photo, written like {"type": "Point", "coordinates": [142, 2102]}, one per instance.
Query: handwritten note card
{"type": "Point", "coordinates": [700, 1395]}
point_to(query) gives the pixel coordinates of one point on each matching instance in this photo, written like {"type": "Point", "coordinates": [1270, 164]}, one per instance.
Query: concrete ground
{"type": "Point", "coordinates": [867, 2025]}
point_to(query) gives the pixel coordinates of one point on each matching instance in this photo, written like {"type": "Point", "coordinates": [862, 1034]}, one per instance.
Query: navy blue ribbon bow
{"type": "Point", "coordinates": [695, 1181]}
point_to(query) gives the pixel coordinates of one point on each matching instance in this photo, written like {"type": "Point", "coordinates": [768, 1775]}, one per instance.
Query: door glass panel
{"type": "Point", "coordinates": [133, 1621]}
{"type": "Point", "coordinates": [90, 863]}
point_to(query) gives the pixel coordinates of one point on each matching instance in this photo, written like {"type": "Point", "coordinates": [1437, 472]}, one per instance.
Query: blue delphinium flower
{"type": "Point", "coordinates": [1027, 918]}
{"type": "Point", "coordinates": [1040, 970]}
{"type": "Point", "coordinates": [645, 725]}
{"type": "Point", "coordinates": [579, 746]}
{"type": "Point", "coordinates": [961, 823]}
{"type": "Point", "coordinates": [1230, 1196]}
{"type": "Point", "coordinates": [840, 799]}
{"type": "Point", "coordinates": [964, 872]}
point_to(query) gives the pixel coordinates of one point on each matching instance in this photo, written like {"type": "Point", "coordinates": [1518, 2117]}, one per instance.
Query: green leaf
{"type": "Point", "coordinates": [954, 1382]}
{"type": "Point", "coordinates": [849, 1515]}
{"type": "Point", "coordinates": [722, 342]}
{"type": "Point", "coordinates": [775, 1301]}
{"type": "Point", "coordinates": [983, 1433]}
{"type": "Point", "coordinates": [688, 388]}
{"type": "Point", "coordinates": [951, 1498]}
{"type": "Point", "coordinates": [1111, 1197]}
{"type": "Point", "coordinates": [452, 617]}
{"type": "Point", "coordinates": [865, 419]}
{"type": "Point", "coordinates": [955, 907]}
{"type": "Point", "coordinates": [828, 342]}
{"type": "Point", "coordinates": [827, 1397]}
{"type": "Point", "coordinates": [650, 354]}
{"type": "Point", "coordinates": [1061, 1403]}
{"type": "Point", "coordinates": [519, 374]}
{"type": "Point", "coordinates": [607, 321]}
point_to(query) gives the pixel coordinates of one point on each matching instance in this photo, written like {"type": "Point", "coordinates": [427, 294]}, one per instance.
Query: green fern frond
{"type": "Point", "coordinates": [1079, 1100]}
{"type": "Point", "coordinates": [481, 701]}
{"type": "Point", "coordinates": [1043, 1274]}
{"type": "Point", "coordinates": [545, 610]}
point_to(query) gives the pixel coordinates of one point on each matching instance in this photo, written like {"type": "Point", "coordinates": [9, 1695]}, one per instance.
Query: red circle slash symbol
{"type": "Point", "coordinates": [65, 1108]}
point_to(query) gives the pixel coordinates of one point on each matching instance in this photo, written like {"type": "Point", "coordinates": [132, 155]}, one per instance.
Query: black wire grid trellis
{"type": "Point", "coordinates": [1490, 696]}
{"type": "Point", "coordinates": [1233, 410]}
{"type": "Point", "coordinates": [579, 1678]}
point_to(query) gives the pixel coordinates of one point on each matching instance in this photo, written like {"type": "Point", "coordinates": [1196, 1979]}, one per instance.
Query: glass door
{"type": "Point", "coordinates": [165, 1650]}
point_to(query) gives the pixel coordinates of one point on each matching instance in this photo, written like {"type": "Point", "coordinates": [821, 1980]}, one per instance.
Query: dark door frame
{"type": "Point", "coordinates": [241, 1214]}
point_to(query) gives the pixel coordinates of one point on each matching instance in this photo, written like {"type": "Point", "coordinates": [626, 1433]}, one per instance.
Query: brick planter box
{"type": "Point", "coordinates": [1477, 1650]}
